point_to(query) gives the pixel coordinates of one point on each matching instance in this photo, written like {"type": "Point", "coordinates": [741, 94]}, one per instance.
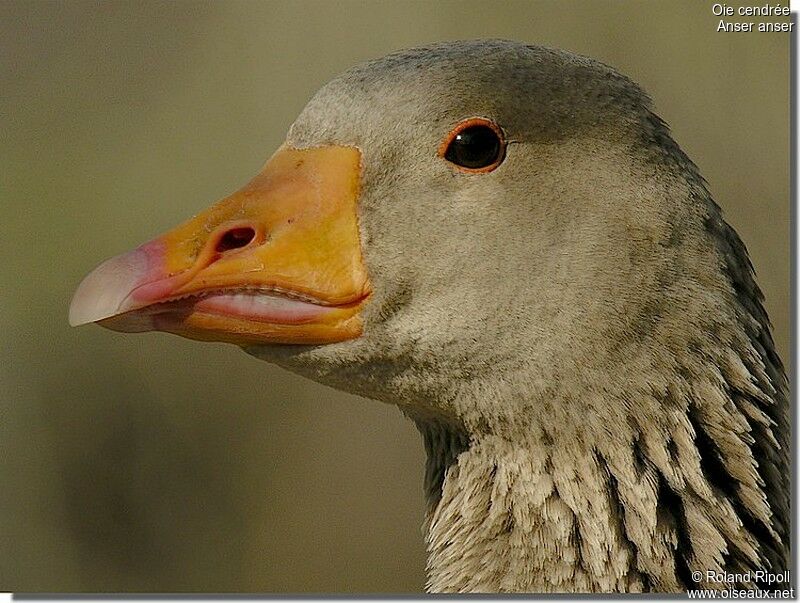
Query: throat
{"type": "Point", "coordinates": [443, 445]}
{"type": "Point", "coordinates": [512, 518]}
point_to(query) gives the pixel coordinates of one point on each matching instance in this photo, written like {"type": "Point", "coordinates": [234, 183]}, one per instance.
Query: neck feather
{"type": "Point", "coordinates": [637, 506]}
{"type": "Point", "coordinates": [509, 519]}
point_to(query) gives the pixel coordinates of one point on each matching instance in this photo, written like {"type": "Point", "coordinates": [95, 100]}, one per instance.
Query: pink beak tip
{"type": "Point", "coordinates": [104, 292]}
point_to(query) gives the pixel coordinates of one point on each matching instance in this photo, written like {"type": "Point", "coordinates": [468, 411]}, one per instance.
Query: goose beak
{"type": "Point", "coordinates": [279, 261]}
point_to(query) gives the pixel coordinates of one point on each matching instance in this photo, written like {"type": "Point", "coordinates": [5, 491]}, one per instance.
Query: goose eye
{"type": "Point", "coordinates": [475, 145]}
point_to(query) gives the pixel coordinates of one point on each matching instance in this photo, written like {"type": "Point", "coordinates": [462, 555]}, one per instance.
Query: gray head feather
{"type": "Point", "coordinates": [578, 333]}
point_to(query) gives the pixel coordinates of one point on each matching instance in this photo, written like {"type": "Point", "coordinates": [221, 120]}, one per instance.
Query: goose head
{"type": "Point", "coordinates": [504, 241]}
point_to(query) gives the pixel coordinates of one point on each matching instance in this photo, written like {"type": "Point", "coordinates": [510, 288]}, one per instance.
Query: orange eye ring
{"type": "Point", "coordinates": [496, 155]}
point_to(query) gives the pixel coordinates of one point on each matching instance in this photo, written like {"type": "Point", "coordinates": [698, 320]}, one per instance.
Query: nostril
{"type": "Point", "coordinates": [236, 238]}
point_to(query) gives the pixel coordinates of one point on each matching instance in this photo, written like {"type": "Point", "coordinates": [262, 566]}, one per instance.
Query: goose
{"type": "Point", "coordinates": [504, 241]}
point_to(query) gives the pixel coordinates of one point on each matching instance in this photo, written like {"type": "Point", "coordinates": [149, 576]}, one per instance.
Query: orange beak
{"type": "Point", "coordinates": [279, 261]}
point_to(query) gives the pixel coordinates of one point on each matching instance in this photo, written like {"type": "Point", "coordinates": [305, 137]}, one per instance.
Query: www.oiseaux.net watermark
{"type": "Point", "coordinates": [758, 584]}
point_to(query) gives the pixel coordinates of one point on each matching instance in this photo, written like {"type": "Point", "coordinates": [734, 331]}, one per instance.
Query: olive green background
{"type": "Point", "coordinates": [149, 462]}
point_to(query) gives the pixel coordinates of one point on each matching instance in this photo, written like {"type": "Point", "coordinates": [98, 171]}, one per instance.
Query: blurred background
{"type": "Point", "coordinates": [152, 463]}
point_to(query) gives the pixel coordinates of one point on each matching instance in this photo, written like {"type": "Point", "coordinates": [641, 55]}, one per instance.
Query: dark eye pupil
{"type": "Point", "coordinates": [474, 147]}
